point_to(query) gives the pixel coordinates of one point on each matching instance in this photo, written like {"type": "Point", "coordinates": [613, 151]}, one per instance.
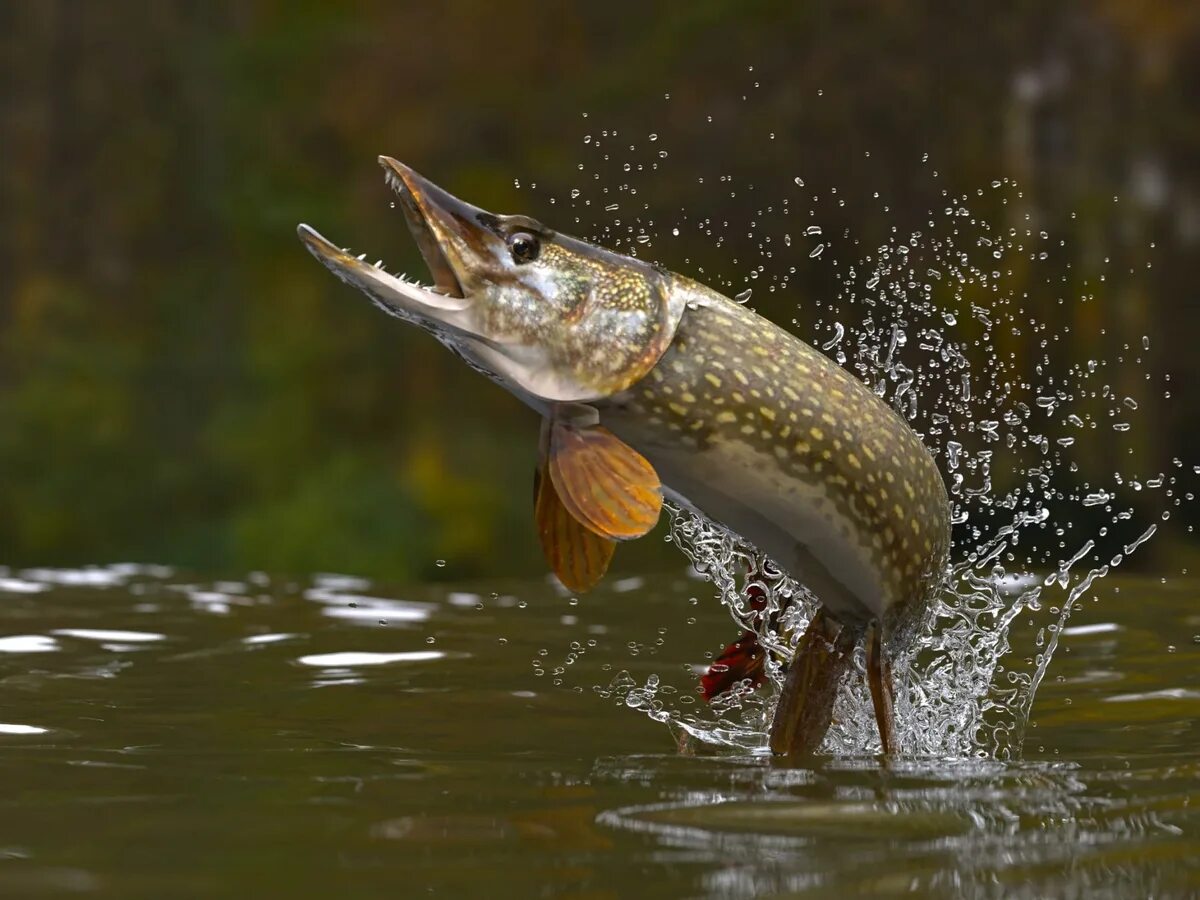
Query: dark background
{"type": "Point", "coordinates": [181, 383]}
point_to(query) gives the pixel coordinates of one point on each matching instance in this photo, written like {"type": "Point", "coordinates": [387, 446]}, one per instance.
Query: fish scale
{"type": "Point", "coordinates": [732, 377]}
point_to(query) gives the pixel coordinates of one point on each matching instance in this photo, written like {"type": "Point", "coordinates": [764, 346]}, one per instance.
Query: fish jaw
{"type": "Point", "coordinates": [394, 294]}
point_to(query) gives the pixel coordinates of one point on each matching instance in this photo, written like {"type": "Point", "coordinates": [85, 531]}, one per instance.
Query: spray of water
{"type": "Point", "coordinates": [938, 322]}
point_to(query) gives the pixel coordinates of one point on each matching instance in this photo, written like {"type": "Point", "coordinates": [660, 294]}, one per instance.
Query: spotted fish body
{"type": "Point", "coordinates": [766, 435]}
{"type": "Point", "coordinates": [650, 384]}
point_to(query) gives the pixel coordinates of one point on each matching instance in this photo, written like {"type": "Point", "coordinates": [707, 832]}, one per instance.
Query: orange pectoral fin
{"type": "Point", "coordinates": [604, 483]}
{"type": "Point", "coordinates": [576, 555]}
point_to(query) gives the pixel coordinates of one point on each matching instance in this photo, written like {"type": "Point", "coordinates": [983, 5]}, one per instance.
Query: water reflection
{"type": "Point", "coordinates": [349, 660]}
{"type": "Point", "coordinates": [341, 604]}
{"type": "Point", "coordinates": [100, 634]}
{"type": "Point", "coordinates": [435, 756]}
{"type": "Point", "coordinates": [28, 643]}
{"type": "Point", "coordinates": [962, 826]}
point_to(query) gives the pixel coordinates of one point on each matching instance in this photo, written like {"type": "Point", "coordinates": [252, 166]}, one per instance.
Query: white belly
{"type": "Point", "coordinates": [794, 523]}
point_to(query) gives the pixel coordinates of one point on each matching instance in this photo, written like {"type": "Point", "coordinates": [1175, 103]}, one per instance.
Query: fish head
{"type": "Point", "coordinates": [548, 316]}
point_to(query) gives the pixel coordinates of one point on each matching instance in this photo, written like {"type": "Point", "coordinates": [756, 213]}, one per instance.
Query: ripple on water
{"type": "Point", "coordinates": [366, 608]}
{"type": "Point", "coordinates": [354, 658]}
{"type": "Point", "coordinates": [28, 643]}
{"type": "Point", "coordinates": [256, 639]}
{"type": "Point", "coordinates": [115, 575]}
{"type": "Point", "coordinates": [21, 586]}
{"type": "Point", "coordinates": [101, 634]}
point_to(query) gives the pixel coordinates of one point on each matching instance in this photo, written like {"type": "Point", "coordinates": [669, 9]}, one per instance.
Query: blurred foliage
{"type": "Point", "coordinates": [180, 383]}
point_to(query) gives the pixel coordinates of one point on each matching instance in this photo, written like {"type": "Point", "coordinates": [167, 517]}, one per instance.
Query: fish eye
{"type": "Point", "coordinates": [523, 246]}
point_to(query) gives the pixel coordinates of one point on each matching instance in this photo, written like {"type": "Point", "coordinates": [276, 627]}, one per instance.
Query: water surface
{"type": "Point", "coordinates": [329, 737]}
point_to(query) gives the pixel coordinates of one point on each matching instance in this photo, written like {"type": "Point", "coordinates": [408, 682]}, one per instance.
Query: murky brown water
{"type": "Point", "coordinates": [267, 738]}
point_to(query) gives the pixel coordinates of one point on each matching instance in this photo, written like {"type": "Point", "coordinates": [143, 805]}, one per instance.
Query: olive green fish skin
{"type": "Point", "coordinates": [739, 418]}
{"type": "Point", "coordinates": [731, 377]}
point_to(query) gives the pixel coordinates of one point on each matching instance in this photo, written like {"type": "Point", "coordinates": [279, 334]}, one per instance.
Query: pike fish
{"type": "Point", "coordinates": [650, 384]}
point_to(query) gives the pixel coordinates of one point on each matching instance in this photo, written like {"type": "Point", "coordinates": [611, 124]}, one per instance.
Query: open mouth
{"type": "Point", "coordinates": [413, 193]}
{"type": "Point", "coordinates": [399, 294]}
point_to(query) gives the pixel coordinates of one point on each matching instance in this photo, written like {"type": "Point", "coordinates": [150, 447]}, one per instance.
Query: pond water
{"type": "Point", "coordinates": [331, 737]}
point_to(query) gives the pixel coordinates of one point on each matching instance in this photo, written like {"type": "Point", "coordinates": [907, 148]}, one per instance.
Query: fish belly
{"type": "Point", "coordinates": [796, 524]}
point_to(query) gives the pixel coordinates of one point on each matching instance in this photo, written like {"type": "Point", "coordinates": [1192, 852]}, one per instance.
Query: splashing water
{"type": "Point", "coordinates": [936, 323]}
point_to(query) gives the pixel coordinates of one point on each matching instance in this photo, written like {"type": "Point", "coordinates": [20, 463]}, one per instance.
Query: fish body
{"type": "Point", "coordinates": [650, 383]}
{"type": "Point", "coordinates": [762, 433]}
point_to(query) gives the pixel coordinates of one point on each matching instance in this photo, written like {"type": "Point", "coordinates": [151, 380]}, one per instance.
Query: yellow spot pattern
{"type": "Point", "coordinates": [905, 529]}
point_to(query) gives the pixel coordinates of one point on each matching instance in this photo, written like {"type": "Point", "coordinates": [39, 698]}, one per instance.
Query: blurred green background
{"type": "Point", "coordinates": [181, 383]}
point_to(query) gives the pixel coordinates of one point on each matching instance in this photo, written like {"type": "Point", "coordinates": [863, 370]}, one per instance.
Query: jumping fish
{"type": "Point", "coordinates": [650, 384]}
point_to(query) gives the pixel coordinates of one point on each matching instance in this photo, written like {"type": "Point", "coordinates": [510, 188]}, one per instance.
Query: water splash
{"type": "Point", "coordinates": [942, 324]}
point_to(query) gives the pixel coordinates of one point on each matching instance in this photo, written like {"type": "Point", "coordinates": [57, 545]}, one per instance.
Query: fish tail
{"type": "Point", "coordinates": [805, 707]}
